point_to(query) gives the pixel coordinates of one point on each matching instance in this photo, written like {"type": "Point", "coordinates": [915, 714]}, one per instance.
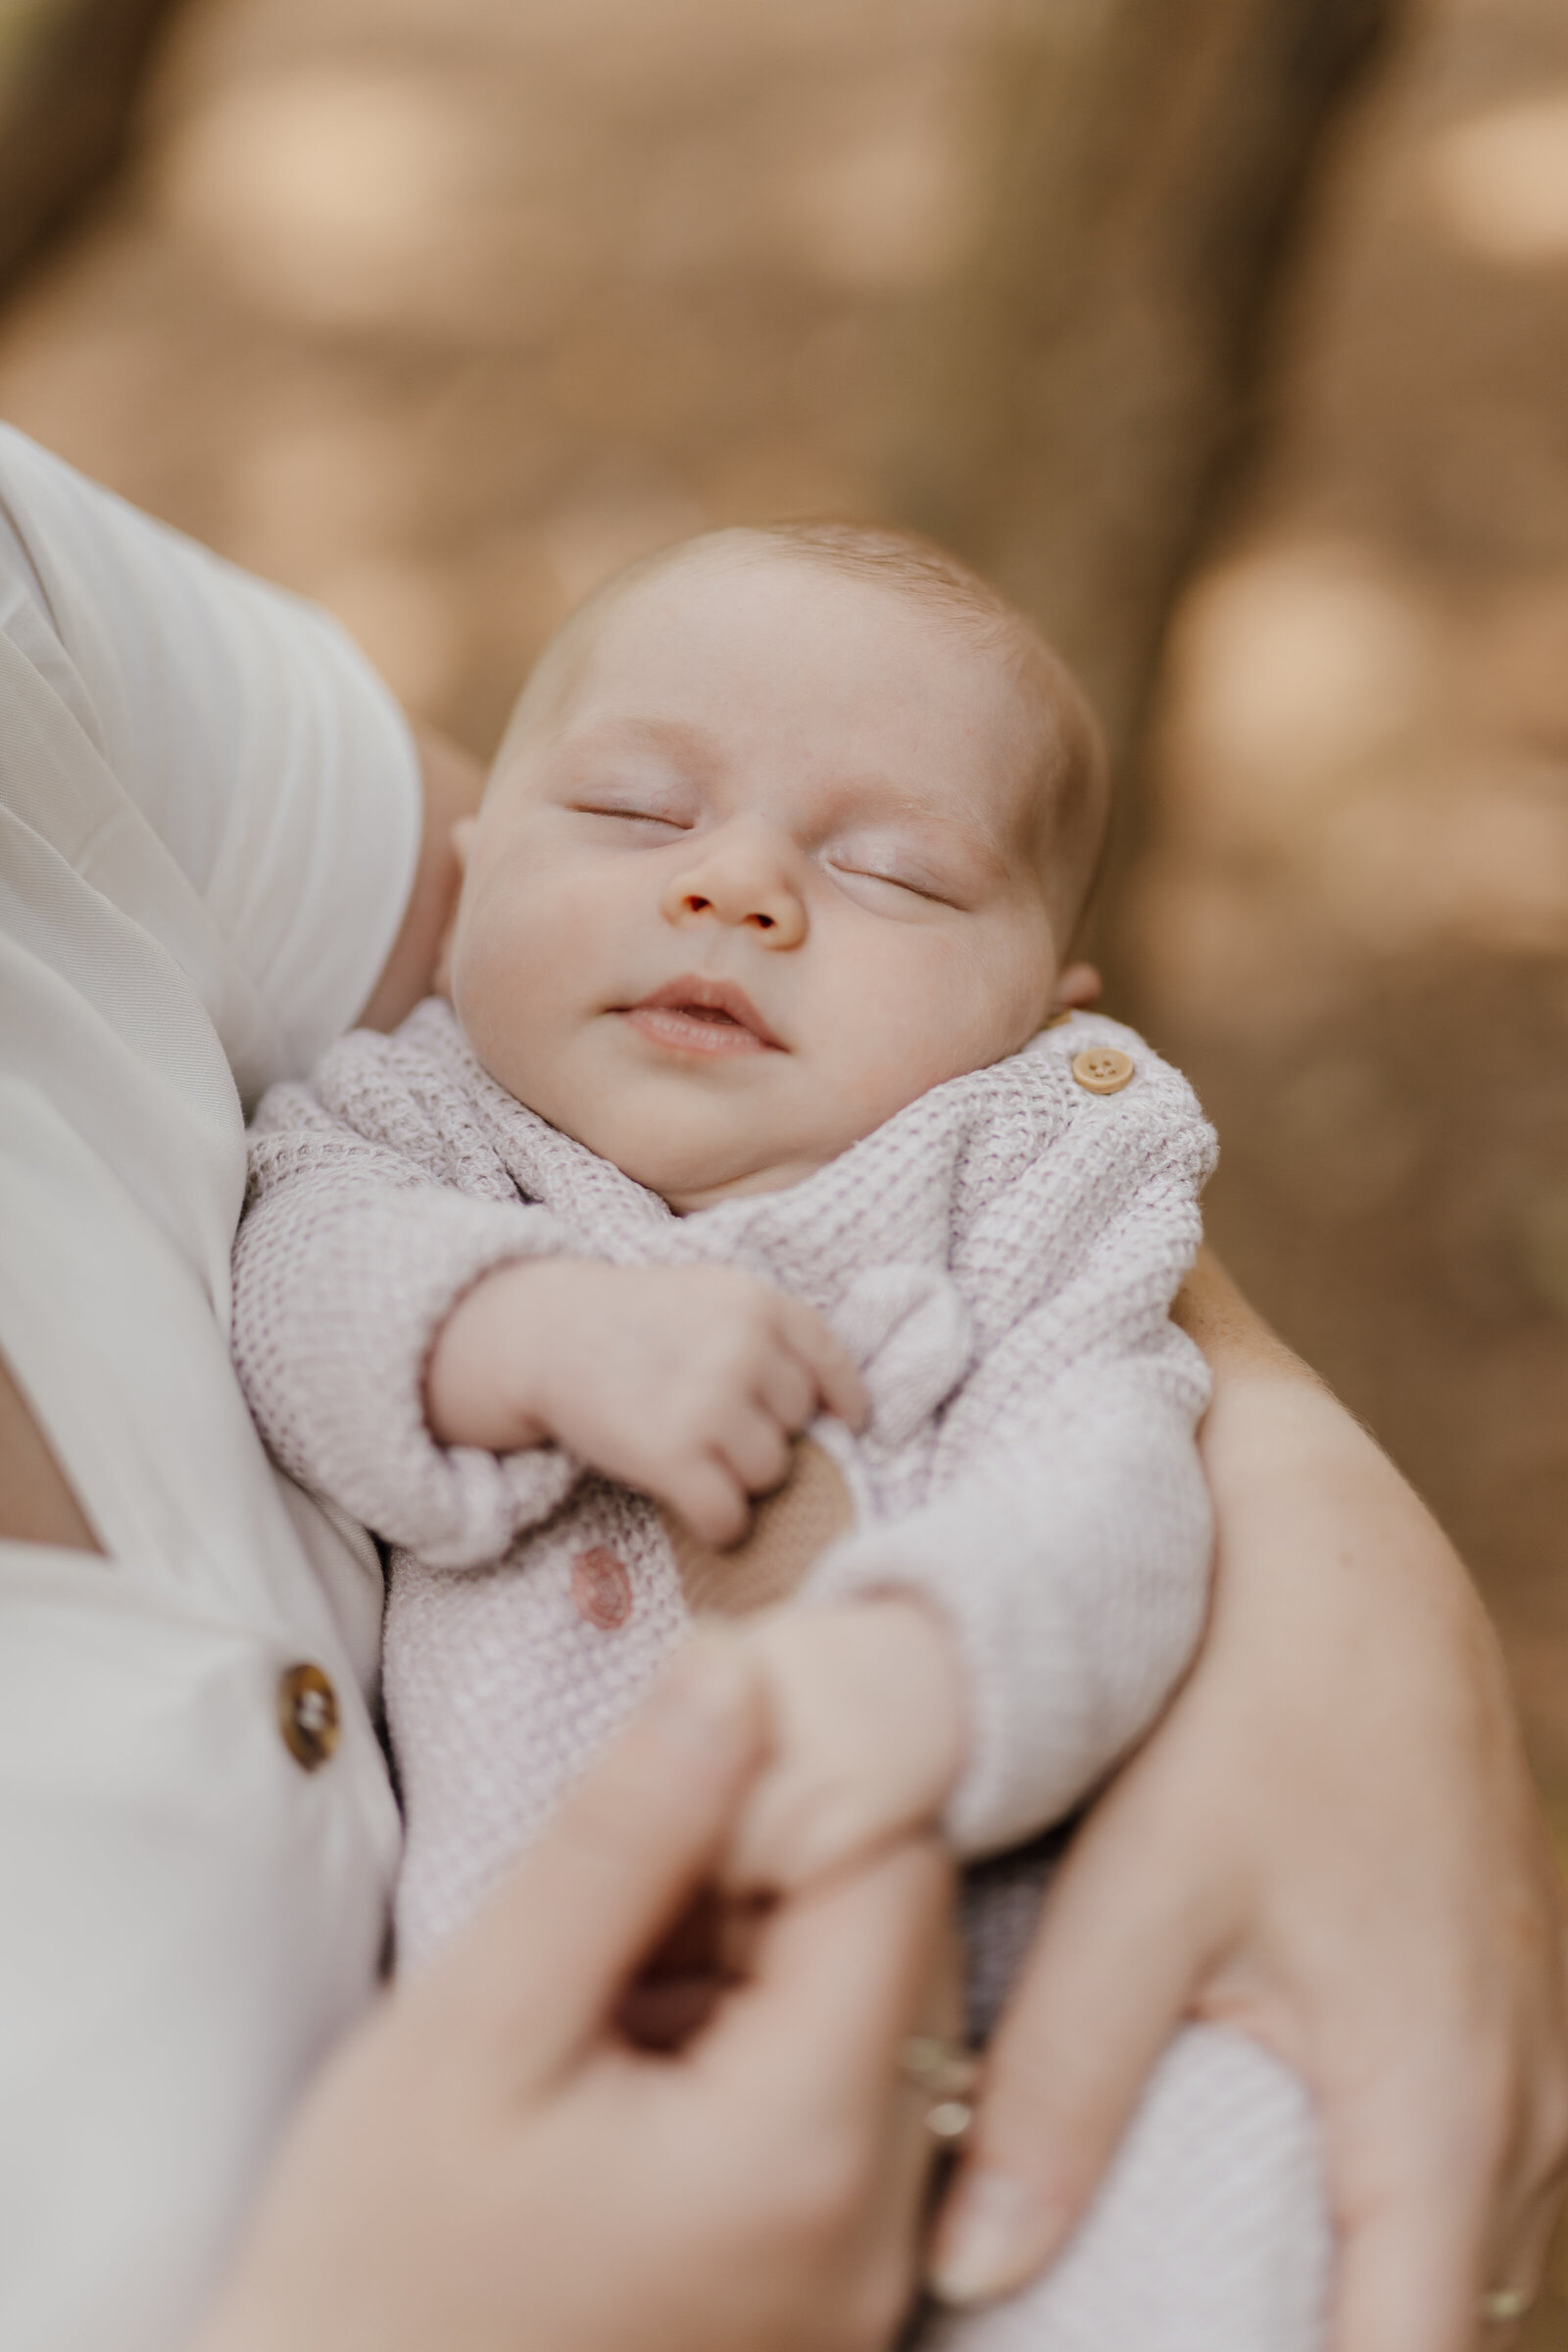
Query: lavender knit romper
{"type": "Point", "coordinates": [1000, 1259]}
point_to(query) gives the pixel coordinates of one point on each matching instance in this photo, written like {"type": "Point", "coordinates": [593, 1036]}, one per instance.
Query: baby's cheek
{"type": "Point", "coordinates": [914, 1027]}
{"type": "Point", "coordinates": [990, 1002]}
{"type": "Point", "coordinates": [527, 945]}
{"type": "Point", "coordinates": [506, 996]}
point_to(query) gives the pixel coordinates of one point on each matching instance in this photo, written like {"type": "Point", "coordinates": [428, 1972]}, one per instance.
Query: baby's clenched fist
{"type": "Point", "coordinates": [869, 1735]}
{"type": "Point", "coordinates": [685, 1382]}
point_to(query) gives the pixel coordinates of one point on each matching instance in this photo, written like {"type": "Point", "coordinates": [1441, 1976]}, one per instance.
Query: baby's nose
{"type": "Point", "coordinates": [741, 886]}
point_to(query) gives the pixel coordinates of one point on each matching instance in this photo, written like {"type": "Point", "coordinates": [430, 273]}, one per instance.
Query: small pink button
{"type": "Point", "coordinates": [601, 1589]}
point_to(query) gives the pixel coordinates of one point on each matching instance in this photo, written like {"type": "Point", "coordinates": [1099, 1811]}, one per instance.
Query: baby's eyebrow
{"type": "Point", "coordinates": [881, 800]}
{"type": "Point", "coordinates": [690, 746]}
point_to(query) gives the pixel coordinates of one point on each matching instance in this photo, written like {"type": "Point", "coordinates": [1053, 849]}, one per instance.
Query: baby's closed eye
{"type": "Point", "coordinates": [881, 867]}
{"type": "Point", "coordinates": [632, 815]}
{"type": "Point", "coordinates": [883, 885]}
{"type": "Point", "coordinates": [906, 882]}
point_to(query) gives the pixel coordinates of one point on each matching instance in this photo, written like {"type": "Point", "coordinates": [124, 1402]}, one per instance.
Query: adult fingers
{"type": "Point", "coordinates": [1106, 1981]}
{"type": "Point", "coordinates": [1430, 2218]}
{"type": "Point", "coordinates": [1525, 2264]}
{"type": "Point", "coordinates": [1408, 2275]}
{"type": "Point", "coordinates": [842, 1972]}
{"type": "Point", "coordinates": [837, 1381]}
{"type": "Point", "coordinates": [536, 1977]}
{"type": "Point", "coordinates": [907, 2155]}
{"type": "Point", "coordinates": [846, 1971]}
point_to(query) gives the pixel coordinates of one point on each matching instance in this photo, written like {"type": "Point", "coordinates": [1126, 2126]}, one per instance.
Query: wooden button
{"type": "Point", "coordinates": [601, 1589]}
{"type": "Point", "coordinates": [307, 1715]}
{"type": "Point", "coordinates": [1103, 1069]}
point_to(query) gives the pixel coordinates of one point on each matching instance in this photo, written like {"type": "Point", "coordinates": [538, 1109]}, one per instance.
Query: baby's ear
{"type": "Point", "coordinates": [462, 838]}
{"type": "Point", "coordinates": [1077, 988]}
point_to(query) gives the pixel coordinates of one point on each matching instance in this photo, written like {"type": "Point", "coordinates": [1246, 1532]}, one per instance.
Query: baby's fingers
{"type": "Point", "coordinates": [755, 1447]}
{"type": "Point", "coordinates": [703, 1490]}
{"type": "Point", "coordinates": [834, 1376]}
{"type": "Point", "coordinates": [788, 1391]}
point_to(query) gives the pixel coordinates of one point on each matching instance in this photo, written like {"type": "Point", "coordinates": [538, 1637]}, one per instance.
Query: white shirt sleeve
{"type": "Point", "coordinates": [247, 729]}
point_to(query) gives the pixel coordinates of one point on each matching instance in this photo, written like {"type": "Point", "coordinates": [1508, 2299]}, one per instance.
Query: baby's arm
{"type": "Point", "coordinates": [351, 1255]}
{"type": "Point", "coordinates": [1069, 1565]}
{"type": "Point", "coordinates": [985, 1661]}
{"type": "Point", "coordinates": [1062, 1556]}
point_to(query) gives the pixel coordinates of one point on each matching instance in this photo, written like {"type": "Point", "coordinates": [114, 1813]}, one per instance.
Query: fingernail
{"type": "Point", "coordinates": [987, 2233]}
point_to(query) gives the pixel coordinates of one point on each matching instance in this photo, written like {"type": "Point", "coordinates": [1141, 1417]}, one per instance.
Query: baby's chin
{"type": "Point", "coordinates": [684, 1200]}
{"type": "Point", "coordinates": [697, 1184]}
{"type": "Point", "coordinates": [694, 1175]}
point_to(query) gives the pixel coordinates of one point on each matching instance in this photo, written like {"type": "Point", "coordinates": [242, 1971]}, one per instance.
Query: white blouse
{"type": "Point", "coordinates": [209, 822]}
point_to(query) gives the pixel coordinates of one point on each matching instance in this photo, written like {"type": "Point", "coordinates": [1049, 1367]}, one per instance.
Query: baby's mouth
{"type": "Point", "coordinates": [709, 1017]}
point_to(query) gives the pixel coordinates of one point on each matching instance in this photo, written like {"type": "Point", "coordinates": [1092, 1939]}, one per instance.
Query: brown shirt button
{"type": "Point", "coordinates": [601, 1589]}
{"type": "Point", "coordinates": [1103, 1069]}
{"type": "Point", "coordinates": [307, 1715]}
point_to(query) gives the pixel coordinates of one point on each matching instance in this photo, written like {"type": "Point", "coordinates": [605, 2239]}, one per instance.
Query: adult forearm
{"type": "Point", "coordinates": [1305, 1498]}
{"type": "Point", "coordinates": [1331, 1842]}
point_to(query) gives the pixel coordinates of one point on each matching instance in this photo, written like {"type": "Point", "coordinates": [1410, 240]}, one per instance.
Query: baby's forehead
{"type": "Point", "coordinates": [729, 573]}
{"type": "Point", "coordinates": [709, 608]}
{"type": "Point", "coordinates": [713, 602]}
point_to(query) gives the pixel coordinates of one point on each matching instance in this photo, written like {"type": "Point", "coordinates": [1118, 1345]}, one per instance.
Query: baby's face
{"type": "Point", "coordinates": [768, 871]}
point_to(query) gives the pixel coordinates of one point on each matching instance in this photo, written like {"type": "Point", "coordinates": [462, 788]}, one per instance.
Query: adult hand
{"type": "Point", "coordinates": [490, 2164]}
{"type": "Point", "coordinates": [1331, 1842]}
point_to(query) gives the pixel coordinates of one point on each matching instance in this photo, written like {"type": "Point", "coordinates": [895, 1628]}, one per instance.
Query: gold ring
{"type": "Point", "coordinates": [947, 2073]}
{"type": "Point", "coordinates": [1504, 2303]}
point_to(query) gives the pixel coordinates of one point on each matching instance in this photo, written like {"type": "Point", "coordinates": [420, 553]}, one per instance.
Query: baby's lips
{"type": "Point", "coordinates": [697, 995]}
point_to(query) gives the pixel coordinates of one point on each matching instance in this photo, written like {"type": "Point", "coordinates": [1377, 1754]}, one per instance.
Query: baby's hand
{"type": "Point", "coordinates": [685, 1382]}
{"type": "Point", "coordinates": [869, 1735]}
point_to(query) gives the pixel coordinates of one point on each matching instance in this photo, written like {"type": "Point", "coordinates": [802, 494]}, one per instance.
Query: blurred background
{"type": "Point", "coordinates": [1230, 335]}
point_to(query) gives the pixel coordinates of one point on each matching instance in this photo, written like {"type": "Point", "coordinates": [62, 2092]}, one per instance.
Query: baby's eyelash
{"type": "Point", "coordinates": [636, 817]}
{"type": "Point", "coordinates": [918, 889]}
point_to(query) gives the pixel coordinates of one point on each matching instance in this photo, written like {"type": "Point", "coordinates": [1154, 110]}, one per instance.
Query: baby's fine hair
{"type": "Point", "coordinates": [1073, 778]}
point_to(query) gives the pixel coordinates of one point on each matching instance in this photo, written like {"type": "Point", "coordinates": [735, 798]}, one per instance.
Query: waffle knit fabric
{"type": "Point", "coordinates": [999, 1257]}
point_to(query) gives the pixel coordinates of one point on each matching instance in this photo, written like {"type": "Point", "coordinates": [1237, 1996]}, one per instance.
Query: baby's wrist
{"type": "Point", "coordinates": [484, 1373]}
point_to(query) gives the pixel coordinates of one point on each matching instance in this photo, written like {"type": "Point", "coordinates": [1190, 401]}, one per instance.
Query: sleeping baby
{"type": "Point", "coordinates": [749, 1226]}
